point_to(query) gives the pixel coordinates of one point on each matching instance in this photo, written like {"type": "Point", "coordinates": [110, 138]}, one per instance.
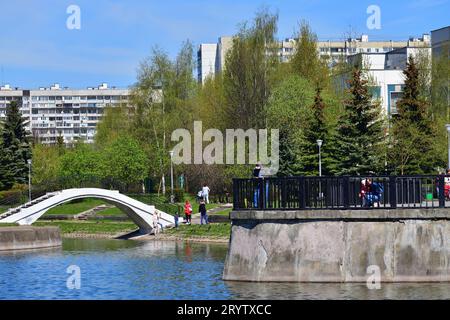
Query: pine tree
{"type": "Point", "coordinates": [413, 133]}
{"type": "Point", "coordinates": [15, 148]}
{"type": "Point", "coordinates": [359, 139]}
{"type": "Point", "coordinates": [315, 129]}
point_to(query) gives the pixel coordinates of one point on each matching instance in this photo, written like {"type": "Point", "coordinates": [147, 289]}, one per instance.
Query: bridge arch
{"type": "Point", "coordinates": [140, 213]}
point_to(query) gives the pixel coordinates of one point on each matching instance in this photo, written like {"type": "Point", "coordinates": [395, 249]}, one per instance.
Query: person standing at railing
{"type": "Point", "coordinates": [447, 185]}
{"type": "Point", "coordinates": [257, 173]}
{"type": "Point", "coordinates": [365, 193]}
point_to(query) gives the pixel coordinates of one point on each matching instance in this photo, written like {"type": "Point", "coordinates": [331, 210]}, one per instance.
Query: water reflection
{"type": "Point", "coordinates": [124, 269]}
{"type": "Point", "coordinates": [341, 291]}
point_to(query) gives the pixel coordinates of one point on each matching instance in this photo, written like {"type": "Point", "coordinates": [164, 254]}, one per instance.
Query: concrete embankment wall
{"type": "Point", "coordinates": [26, 237]}
{"type": "Point", "coordinates": [321, 246]}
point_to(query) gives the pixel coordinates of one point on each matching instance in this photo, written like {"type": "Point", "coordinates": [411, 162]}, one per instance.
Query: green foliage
{"type": "Point", "coordinates": [358, 144]}
{"type": "Point", "coordinates": [46, 163]}
{"type": "Point", "coordinates": [414, 134]}
{"type": "Point", "coordinates": [15, 148]}
{"type": "Point", "coordinates": [249, 68]}
{"type": "Point", "coordinates": [287, 111]}
{"type": "Point", "coordinates": [115, 122]}
{"type": "Point", "coordinates": [81, 164]}
{"type": "Point", "coordinates": [315, 128]}
{"type": "Point", "coordinates": [124, 161]}
{"type": "Point", "coordinates": [178, 195]}
{"type": "Point", "coordinates": [306, 62]}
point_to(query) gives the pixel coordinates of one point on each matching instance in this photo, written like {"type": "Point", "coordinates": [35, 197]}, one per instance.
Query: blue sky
{"type": "Point", "coordinates": [37, 49]}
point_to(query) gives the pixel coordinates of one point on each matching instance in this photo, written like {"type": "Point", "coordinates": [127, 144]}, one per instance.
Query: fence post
{"type": "Point", "coordinates": [301, 193]}
{"type": "Point", "coordinates": [235, 194]}
{"type": "Point", "coordinates": [393, 191]}
{"type": "Point", "coordinates": [262, 194]}
{"type": "Point", "coordinates": [283, 192]}
{"type": "Point", "coordinates": [441, 195]}
{"type": "Point", "coordinates": [346, 187]}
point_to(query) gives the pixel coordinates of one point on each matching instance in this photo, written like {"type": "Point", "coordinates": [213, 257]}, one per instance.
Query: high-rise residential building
{"type": "Point", "coordinates": [440, 41]}
{"type": "Point", "coordinates": [332, 51]}
{"type": "Point", "coordinates": [206, 60]}
{"type": "Point", "coordinates": [224, 45]}
{"type": "Point", "coordinates": [211, 58]}
{"type": "Point", "coordinates": [70, 113]}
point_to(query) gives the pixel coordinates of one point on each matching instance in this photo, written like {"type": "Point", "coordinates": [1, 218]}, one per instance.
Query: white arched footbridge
{"type": "Point", "coordinates": [140, 213]}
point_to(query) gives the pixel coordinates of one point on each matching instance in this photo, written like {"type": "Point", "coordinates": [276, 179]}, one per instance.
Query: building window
{"type": "Point", "coordinates": [395, 96]}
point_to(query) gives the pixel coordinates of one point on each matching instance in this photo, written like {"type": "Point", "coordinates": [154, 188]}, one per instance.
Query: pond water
{"type": "Point", "coordinates": [120, 269]}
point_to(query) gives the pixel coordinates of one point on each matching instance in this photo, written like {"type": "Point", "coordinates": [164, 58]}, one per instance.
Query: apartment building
{"type": "Point", "coordinates": [385, 70]}
{"type": "Point", "coordinates": [331, 51]}
{"type": "Point", "coordinates": [206, 61]}
{"type": "Point", "coordinates": [55, 111]}
{"type": "Point", "coordinates": [440, 41]}
{"type": "Point", "coordinates": [211, 58]}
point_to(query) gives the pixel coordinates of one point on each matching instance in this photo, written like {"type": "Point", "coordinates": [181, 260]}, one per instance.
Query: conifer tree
{"type": "Point", "coordinates": [359, 139]}
{"type": "Point", "coordinates": [413, 133]}
{"type": "Point", "coordinates": [315, 129]}
{"type": "Point", "coordinates": [15, 148]}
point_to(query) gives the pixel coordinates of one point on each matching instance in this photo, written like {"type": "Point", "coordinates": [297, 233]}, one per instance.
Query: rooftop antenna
{"type": "Point", "coordinates": [2, 76]}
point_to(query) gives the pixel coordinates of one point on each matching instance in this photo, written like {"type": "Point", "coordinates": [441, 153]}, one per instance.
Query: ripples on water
{"type": "Point", "coordinates": [119, 269]}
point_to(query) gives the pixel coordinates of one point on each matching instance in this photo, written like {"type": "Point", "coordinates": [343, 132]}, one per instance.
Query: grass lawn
{"type": "Point", "coordinates": [9, 225]}
{"type": "Point", "coordinates": [90, 227]}
{"type": "Point", "coordinates": [224, 212]}
{"type": "Point", "coordinates": [214, 230]}
{"type": "Point", "coordinates": [72, 208]}
{"type": "Point", "coordinates": [4, 208]}
{"type": "Point", "coordinates": [111, 212]}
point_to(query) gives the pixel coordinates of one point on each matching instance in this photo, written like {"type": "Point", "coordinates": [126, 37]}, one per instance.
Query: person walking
{"type": "Point", "coordinates": [205, 193]}
{"type": "Point", "coordinates": [188, 211]}
{"type": "Point", "coordinates": [203, 215]}
{"type": "Point", "coordinates": [155, 223]}
{"type": "Point", "coordinates": [177, 217]}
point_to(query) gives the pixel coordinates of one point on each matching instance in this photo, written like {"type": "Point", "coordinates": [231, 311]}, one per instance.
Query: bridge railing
{"type": "Point", "coordinates": [343, 192]}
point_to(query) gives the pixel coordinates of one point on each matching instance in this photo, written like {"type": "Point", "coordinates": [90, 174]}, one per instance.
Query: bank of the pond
{"type": "Point", "coordinates": [110, 229]}
{"type": "Point", "coordinates": [213, 232]}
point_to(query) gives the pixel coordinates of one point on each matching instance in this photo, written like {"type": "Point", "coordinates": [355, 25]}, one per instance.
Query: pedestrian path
{"type": "Point", "coordinates": [196, 217]}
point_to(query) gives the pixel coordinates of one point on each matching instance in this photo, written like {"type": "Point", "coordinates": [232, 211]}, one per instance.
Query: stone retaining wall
{"type": "Point", "coordinates": [26, 237]}
{"type": "Point", "coordinates": [407, 246]}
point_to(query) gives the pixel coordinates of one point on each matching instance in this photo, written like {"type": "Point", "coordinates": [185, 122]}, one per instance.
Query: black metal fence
{"type": "Point", "coordinates": [345, 192]}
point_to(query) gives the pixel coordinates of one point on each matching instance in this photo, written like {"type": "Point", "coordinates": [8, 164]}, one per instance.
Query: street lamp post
{"type": "Point", "coordinates": [171, 177]}
{"type": "Point", "coordinates": [29, 179]}
{"type": "Point", "coordinates": [319, 143]}
{"type": "Point", "coordinates": [448, 134]}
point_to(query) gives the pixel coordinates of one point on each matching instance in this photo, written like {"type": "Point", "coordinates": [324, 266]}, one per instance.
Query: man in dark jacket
{"type": "Point", "coordinates": [203, 215]}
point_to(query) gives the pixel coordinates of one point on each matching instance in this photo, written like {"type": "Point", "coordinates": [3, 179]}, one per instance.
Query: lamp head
{"type": "Point", "coordinates": [319, 142]}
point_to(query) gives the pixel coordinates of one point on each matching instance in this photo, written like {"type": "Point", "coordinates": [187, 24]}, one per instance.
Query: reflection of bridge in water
{"type": "Point", "coordinates": [140, 213]}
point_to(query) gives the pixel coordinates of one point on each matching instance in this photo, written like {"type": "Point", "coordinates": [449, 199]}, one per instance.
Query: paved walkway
{"type": "Point", "coordinates": [196, 217]}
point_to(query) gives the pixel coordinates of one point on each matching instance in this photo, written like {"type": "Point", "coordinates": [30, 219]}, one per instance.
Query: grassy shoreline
{"type": "Point", "coordinates": [109, 229]}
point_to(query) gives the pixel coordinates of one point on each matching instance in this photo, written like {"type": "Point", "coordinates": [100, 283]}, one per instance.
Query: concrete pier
{"type": "Point", "coordinates": [406, 245]}
{"type": "Point", "coordinates": [26, 237]}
